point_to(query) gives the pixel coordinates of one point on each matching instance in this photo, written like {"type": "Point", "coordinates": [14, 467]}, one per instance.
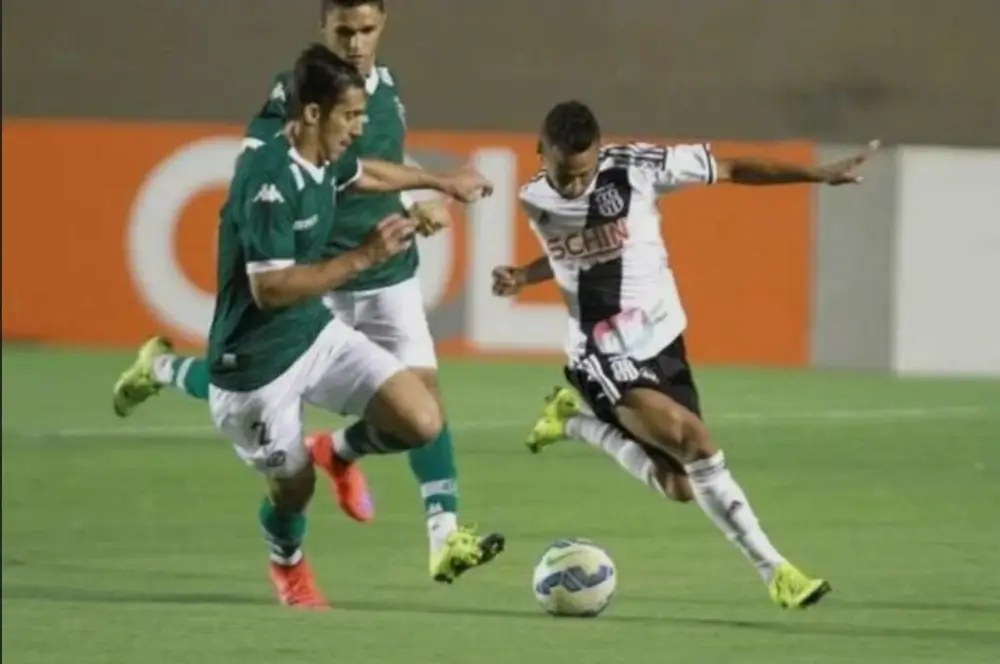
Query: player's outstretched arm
{"type": "Point", "coordinates": [751, 171]}
{"type": "Point", "coordinates": [279, 288]}
{"type": "Point", "coordinates": [467, 185]}
{"type": "Point", "coordinates": [508, 281]}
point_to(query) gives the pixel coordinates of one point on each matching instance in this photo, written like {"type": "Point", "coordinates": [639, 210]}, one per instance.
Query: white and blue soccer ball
{"type": "Point", "coordinates": [575, 578]}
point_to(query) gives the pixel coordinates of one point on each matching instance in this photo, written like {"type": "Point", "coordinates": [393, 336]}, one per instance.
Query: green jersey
{"type": "Point", "coordinates": [357, 212]}
{"type": "Point", "coordinates": [279, 213]}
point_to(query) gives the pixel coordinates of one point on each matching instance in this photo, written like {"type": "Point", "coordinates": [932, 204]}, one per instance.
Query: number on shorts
{"type": "Point", "coordinates": [260, 430]}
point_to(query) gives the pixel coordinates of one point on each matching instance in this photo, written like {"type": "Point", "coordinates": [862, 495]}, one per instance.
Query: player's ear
{"type": "Point", "coordinates": [310, 114]}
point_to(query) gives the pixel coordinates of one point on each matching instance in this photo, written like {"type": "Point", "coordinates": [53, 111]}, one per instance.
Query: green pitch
{"type": "Point", "coordinates": [136, 541]}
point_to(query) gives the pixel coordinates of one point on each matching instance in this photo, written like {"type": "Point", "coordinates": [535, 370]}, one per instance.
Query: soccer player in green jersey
{"type": "Point", "coordinates": [385, 302]}
{"type": "Point", "coordinates": [274, 346]}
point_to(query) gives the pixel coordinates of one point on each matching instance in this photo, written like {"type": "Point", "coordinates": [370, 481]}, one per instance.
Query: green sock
{"type": "Point", "coordinates": [434, 467]}
{"type": "Point", "coordinates": [360, 439]}
{"type": "Point", "coordinates": [283, 533]}
{"type": "Point", "coordinates": [190, 376]}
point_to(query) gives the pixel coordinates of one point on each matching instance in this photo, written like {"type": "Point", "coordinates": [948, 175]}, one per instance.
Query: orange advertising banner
{"type": "Point", "coordinates": [109, 236]}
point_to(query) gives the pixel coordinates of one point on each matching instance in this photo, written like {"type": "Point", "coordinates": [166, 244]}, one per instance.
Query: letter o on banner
{"type": "Point", "coordinates": [153, 223]}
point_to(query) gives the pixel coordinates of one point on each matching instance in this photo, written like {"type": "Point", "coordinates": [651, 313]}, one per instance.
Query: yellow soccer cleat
{"type": "Point", "coordinates": [550, 428]}
{"type": "Point", "coordinates": [136, 384]}
{"type": "Point", "coordinates": [462, 551]}
{"type": "Point", "coordinates": [791, 589]}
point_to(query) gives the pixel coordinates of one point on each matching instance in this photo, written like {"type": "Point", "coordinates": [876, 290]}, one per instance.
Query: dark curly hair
{"type": "Point", "coordinates": [571, 127]}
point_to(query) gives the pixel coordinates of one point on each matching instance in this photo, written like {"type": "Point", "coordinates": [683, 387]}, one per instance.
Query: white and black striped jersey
{"type": "Point", "coordinates": [606, 249]}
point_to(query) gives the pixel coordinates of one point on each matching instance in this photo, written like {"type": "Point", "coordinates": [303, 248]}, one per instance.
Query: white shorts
{"type": "Point", "coordinates": [392, 317]}
{"type": "Point", "coordinates": [340, 372]}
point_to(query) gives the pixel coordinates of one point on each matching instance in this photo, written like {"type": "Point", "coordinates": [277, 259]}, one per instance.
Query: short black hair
{"type": "Point", "coordinates": [327, 6]}
{"type": "Point", "coordinates": [321, 77]}
{"type": "Point", "coordinates": [571, 127]}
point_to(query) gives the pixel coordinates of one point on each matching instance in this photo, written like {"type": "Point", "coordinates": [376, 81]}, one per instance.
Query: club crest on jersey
{"type": "Point", "coordinates": [609, 201]}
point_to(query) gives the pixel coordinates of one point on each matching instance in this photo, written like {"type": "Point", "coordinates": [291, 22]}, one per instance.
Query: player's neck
{"type": "Point", "coordinates": [305, 142]}
{"type": "Point", "coordinates": [366, 68]}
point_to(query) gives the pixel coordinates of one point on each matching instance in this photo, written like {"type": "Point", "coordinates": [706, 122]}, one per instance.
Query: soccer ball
{"type": "Point", "coordinates": [575, 578]}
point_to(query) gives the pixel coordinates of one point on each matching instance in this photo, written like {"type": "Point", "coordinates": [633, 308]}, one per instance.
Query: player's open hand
{"type": "Point", "coordinates": [847, 170]}
{"type": "Point", "coordinates": [430, 217]}
{"type": "Point", "coordinates": [391, 236]}
{"type": "Point", "coordinates": [508, 281]}
{"type": "Point", "coordinates": [467, 185]}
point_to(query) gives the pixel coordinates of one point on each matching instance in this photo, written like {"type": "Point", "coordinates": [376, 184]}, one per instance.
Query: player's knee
{"type": "Point", "coordinates": [426, 424]}
{"type": "Point", "coordinates": [421, 420]}
{"type": "Point", "coordinates": [685, 431]}
{"type": "Point", "coordinates": [678, 430]}
{"type": "Point", "coordinates": [667, 422]}
{"type": "Point", "coordinates": [407, 410]}
{"type": "Point", "coordinates": [696, 439]}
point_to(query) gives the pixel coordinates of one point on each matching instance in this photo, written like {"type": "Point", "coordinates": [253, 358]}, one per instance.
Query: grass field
{"type": "Point", "coordinates": [137, 542]}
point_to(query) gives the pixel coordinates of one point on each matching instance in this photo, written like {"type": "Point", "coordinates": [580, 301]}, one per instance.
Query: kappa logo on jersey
{"type": "Point", "coordinates": [609, 201]}
{"type": "Point", "coordinates": [268, 194]}
{"type": "Point", "coordinates": [602, 242]}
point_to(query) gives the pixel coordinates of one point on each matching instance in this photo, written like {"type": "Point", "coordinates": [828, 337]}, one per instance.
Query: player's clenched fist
{"type": "Point", "coordinates": [391, 236]}
{"type": "Point", "coordinates": [508, 281]}
{"type": "Point", "coordinates": [430, 217]}
{"type": "Point", "coordinates": [468, 185]}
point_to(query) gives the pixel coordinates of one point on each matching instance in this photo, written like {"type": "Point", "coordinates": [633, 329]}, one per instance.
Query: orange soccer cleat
{"type": "Point", "coordinates": [295, 586]}
{"type": "Point", "coordinates": [349, 484]}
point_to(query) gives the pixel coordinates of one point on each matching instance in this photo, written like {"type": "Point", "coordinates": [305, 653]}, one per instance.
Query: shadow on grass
{"type": "Point", "coordinates": [779, 627]}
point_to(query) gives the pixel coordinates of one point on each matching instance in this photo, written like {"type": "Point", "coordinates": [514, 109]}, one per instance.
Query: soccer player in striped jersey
{"type": "Point", "coordinates": [594, 208]}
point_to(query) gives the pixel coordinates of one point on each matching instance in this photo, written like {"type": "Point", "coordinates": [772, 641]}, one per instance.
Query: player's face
{"type": "Point", "coordinates": [570, 174]}
{"type": "Point", "coordinates": [342, 124]}
{"type": "Point", "coordinates": [353, 33]}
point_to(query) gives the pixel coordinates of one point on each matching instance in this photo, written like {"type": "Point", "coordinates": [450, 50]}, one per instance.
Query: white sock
{"type": "Point", "coordinates": [628, 453]}
{"type": "Point", "coordinates": [163, 369]}
{"type": "Point", "coordinates": [283, 558]}
{"type": "Point", "coordinates": [722, 499]}
{"type": "Point", "coordinates": [340, 447]}
{"type": "Point", "coordinates": [439, 527]}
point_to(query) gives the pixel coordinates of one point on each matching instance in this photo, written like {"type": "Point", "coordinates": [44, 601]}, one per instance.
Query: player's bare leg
{"type": "Point", "coordinates": [282, 517]}
{"type": "Point", "coordinates": [403, 415]}
{"type": "Point", "coordinates": [566, 417]}
{"type": "Point", "coordinates": [655, 417]}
